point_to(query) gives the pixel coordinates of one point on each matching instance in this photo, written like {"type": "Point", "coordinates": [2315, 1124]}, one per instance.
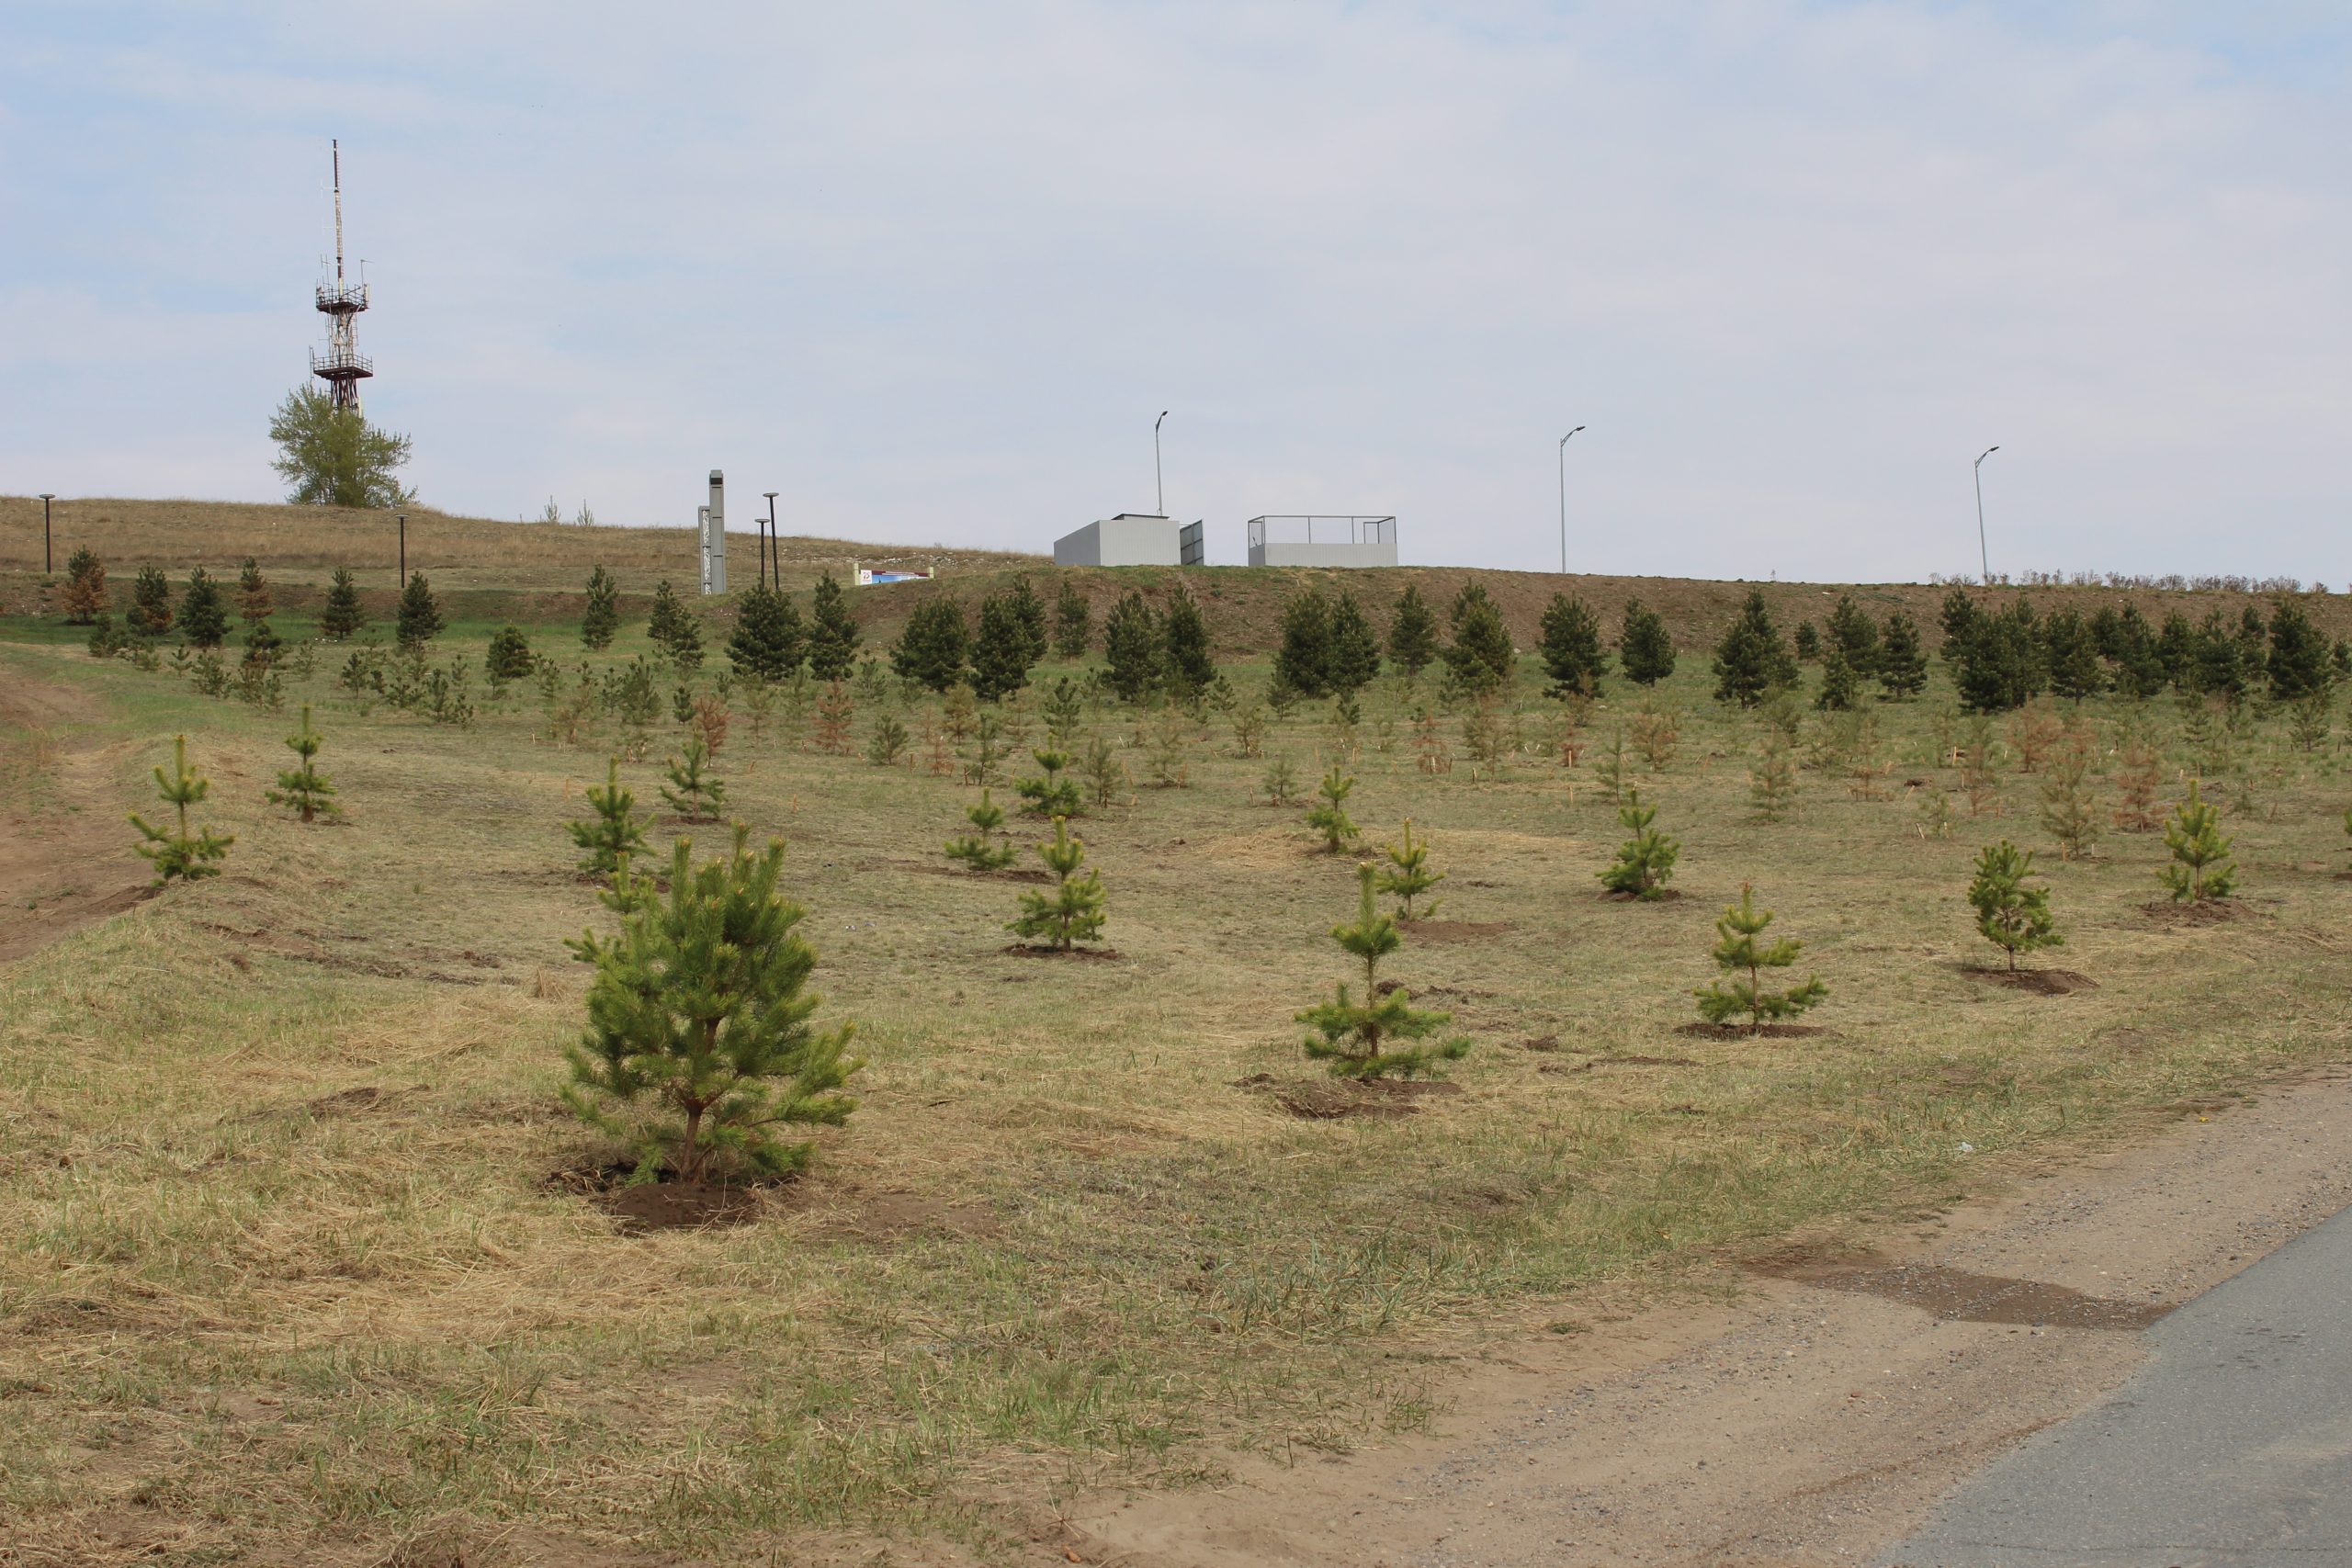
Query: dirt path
{"type": "Point", "coordinates": [1819, 1418]}
{"type": "Point", "coordinates": [64, 848]}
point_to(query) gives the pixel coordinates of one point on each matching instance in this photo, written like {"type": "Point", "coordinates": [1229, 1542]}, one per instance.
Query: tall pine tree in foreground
{"type": "Point", "coordinates": [1645, 646]}
{"type": "Point", "coordinates": [1743, 958]}
{"type": "Point", "coordinates": [1367, 1039]}
{"type": "Point", "coordinates": [302, 787]}
{"type": "Point", "coordinates": [701, 1006]}
{"type": "Point", "coordinates": [602, 617]}
{"type": "Point", "coordinates": [343, 617]}
{"type": "Point", "coordinates": [180, 851]}
{"type": "Point", "coordinates": [1645, 861]}
{"type": "Point", "coordinates": [2201, 868]}
{"type": "Point", "coordinates": [1072, 912]}
{"type": "Point", "coordinates": [2011, 916]}
{"type": "Point", "coordinates": [616, 831]}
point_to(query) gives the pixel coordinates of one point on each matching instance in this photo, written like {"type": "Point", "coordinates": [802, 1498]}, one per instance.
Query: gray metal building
{"type": "Point", "coordinates": [1132, 539]}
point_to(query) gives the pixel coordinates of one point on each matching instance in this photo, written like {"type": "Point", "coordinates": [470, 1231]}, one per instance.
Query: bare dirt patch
{"type": "Point", "coordinates": [2035, 982]}
{"type": "Point", "coordinates": [1439, 933]}
{"type": "Point", "coordinates": [2202, 911]}
{"type": "Point", "coordinates": [1625, 1060]}
{"type": "Point", "coordinates": [60, 870]}
{"type": "Point", "coordinates": [1959, 1295]}
{"type": "Point", "coordinates": [662, 1204]}
{"type": "Point", "coordinates": [1095, 954]}
{"type": "Point", "coordinates": [1333, 1100]}
{"type": "Point", "coordinates": [1703, 1031]}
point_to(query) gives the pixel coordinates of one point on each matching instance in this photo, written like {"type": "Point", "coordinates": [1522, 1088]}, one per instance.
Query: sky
{"type": "Point", "coordinates": [931, 271]}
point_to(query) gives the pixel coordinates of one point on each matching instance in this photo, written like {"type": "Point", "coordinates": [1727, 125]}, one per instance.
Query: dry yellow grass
{"type": "Point", "coordinates": [286, 1269]}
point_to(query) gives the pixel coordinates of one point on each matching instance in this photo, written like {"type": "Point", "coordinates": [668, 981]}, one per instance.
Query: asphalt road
{"type": "Point", "coordinates": [2233, 1447]}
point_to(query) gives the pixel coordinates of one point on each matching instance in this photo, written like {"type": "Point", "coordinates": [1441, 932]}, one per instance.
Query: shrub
{"type": "Point", "coordinates": [983, 849]}
{"type": "Point", "coordinates": [1331, 818]}
{"type": "Point", "coordinates": [1073, 911]}
{"type": "Point", "coordinates": [700, 1005]}
{"type": "Point", "coordinates": [1743, 960]}
{"type": "Point", "coordinates": [2201, 868]}
{"type": "Point", "coordinates": [178, 851]}
{"type": "Point", "coordinates": [615, 833]}
{"type": "Point", "coordinates": [1357, 1038]}
{"type": "Point", "coordinates": [1645, 861]}
{"type": "Point", "coordinates": [2011, 916]}
{"type": "Point", "coordinates": [303, 787]}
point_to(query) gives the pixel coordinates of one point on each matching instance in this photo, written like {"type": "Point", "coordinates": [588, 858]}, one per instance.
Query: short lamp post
{"type": "Point", "coordinates": [48, 556]}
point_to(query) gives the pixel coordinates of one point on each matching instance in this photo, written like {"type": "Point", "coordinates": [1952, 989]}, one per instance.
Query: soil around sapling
{"type": "Point", "coordinates": [1703, 1031]}
{"type": "Point", "coordinates": [1439, 933]}
{"type": "Point", "coordinates": [665, 1203]}
{"type": "Point", "coordinates": [2034, 982]}
{"type": "Point", "coordinates": [1336, 1098]}
{"type": "Point", "coordinates": [1035, 950]}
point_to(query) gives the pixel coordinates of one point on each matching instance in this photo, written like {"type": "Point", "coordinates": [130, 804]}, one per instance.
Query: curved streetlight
{"type": "Point", "coordinates": [1564, 499]}
{"type": "Point", "coordinates": [771, 546]}
{"type": "Point", "coordinates": [1983, 559]}
{"type": "Point", "coordinates": [1158, 490]}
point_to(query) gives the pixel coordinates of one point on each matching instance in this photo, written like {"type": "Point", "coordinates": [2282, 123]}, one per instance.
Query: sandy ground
{"type": "Point", "coordinates": [59, 869]}
{"type": "Point", "coordinates": [1819, 1418]}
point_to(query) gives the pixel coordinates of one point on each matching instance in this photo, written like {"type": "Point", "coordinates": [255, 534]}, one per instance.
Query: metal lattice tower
{"type": "Point", "coordinates": [342, 367]}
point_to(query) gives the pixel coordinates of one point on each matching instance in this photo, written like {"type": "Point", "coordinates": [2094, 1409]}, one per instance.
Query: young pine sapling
{"type": "Point", "coordinates": [178, 851]}
{"type": "Point", "coordinates": [303, 787]}
{"type": "Point", "coordinates": [691, 792]}
{"type": "Point", "coordinates": [2012, 916]}
{"type": "Point", "coordinates": [1743, 959]}
{"type": "Point", "coordinates": [1645, 861]}
{"type": "Point", "coordinates": [1072, 912]}
{"type": "Point", "coordinates": [1362, 1039]}
{"type": "Point", "coordinates": [984, 849]}
{"type": "Point", "coordinates": [615, 833]}
{"type": "Point", "coordinates": [1331, 818]}
{"type": "Point", "coordinates": [1407, 875]}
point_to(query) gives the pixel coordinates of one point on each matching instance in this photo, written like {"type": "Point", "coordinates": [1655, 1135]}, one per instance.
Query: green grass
{"type": "Point", "coordinates": [1058, 1244]}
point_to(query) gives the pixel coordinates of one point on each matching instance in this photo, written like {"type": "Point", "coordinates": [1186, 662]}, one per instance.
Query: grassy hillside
{"type": "Point", "coordinates": [489, 571]}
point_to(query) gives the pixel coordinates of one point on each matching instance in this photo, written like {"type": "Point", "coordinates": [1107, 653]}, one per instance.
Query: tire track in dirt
{"type": "Point", "coordinates": [1818, 1419]}
{"type": "Point", "coordinates": [59, 869]}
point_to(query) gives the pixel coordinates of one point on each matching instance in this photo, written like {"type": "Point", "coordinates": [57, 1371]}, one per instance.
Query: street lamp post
{"type": "Point", "coordinates": [1158, 490]}
{"type": "Point", "coordinates": [1564, 499]}
{"type": "Point", "coordinates": [767, 543]}
{"type": "Point", "coordinates": [403, 516]}
{"type": "Point", "coordinates": [48, 557]}
{"type": "Point", "coordinates": [1983, 556]}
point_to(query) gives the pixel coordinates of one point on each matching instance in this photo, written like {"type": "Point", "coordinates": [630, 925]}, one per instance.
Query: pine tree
{"type": "Point", "coordinates": [2217, 668]}
{"type": "Point", "coordinates": [1958, 620]}
{"type": "Point", "coordinates": [1073, 621]}
{"type": "Point", "coordinates": [1412, 633]}
{"type": "Point", "coordinates": [1064, 708]}
{"type": "Point", "coordinates": [1645, 861]}
{"type": "Point", "coordinates": [1902, 662]}
{"type": "Point", "coordinates": [509, 657]}
{"type": "Point", "coordinates": [933, 646]}
{"type": "Point", "coordinates": [984, 849]}
{"type": "Point", "coordinates": [254, 601]}
{"type": "Point", "coordinates": [767, 643]}
{"type": "Point", "coordinates": [833, 633]}
{"type": "Point", "coordinates": [2139, 663]}
{"type": "Point", "coordinates": [1841, 683]}
{"type": "Point", "coordinates": [1772, 782]}
{"type": "Point", "coordinates": [1331, 818]}
{"type": "Point", "coordinates": [150, 602]}
{"type": "Point", "coordinates": [602, 617]}
{"type": "Point", "coordinates": [662, 620]}
{"type": "Point", "coordinates": [2070, 807]}
{"type": "Point", "coordinates": [1407, 875]}
{"type": "Point", "coordinates": [2071, 656]}
{"type": "Point", "coordinates": [176, 852]}
{"type": "Point", "coordinates": [2201, 868]}
{"type": "Point", "coordinates": [2001, 666]}
{"type": "Point", "coordinates": [1645, 645]}
{"type": "Point", "coordinates": [1185, 650]}
{"type": "Point", "coordinates": [1356, 1037]}
{"type": "Point", "coordinates": [86, 588]}
{"type": "Point", "coordinates": [1743, 960]}
{"type": "Point", "coordinates": [2297, 663]}
{"type": "Point", "coordinates": [1072, 912]}
{"type": "Point", "coordinates": [1303, 658]}
{"type": "Point", "coordinates": [203, 621]}
{"type": "Point", "coordinates": [829, 729]}
{"type": "Point", "coordinates": [2011, 916]}
{"type": "Point", "coordinates": [700, 1004]}
{"type": "Point", "coordinates": [420, 614]}
{"type": "Point", "coordinates": [303, 787]}
{"type": "Point", "coordinates": [262, 643]}
{"type": "Point", "coordinates": [1480, 658]}
{"type": "Point", "coordinates": [1571, 648]}
{"type": "Point", "coordinates": [615, 833]}
{"type": "Point", "coordinates": [1131, 649]}
{"type": "Point", "coordinates": [1000, 651]}
{"type": "Point", "coordinates": [1752, 660]}
{"type": "Point", "coordinates": [886, 742]}
{"type": "Point", "coordinates": [1352, 654]}
{"type": "Point", "coordinates": [691, 792]}
{"type": "Point", "coordinates": [2140, 778]}
{"type": "Point", "coordinates": [1855, 635]}
{"type": "Point", "coordinates": [2177, 651]}
{"type": "Point", "coordinates": [1105, 773]}
{"type": "Point", "coordinates": [1052, 794]}
{"type": "Point", "coordinates": [343, 616]}
{"type": "Point", "coordinates": [1029, 615]}
{"type": "Point", "coordinates": [1808, 643]}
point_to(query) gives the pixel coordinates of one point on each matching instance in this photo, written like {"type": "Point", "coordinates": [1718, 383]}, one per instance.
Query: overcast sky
{"type": "Point", "coordinates": [931, 270]}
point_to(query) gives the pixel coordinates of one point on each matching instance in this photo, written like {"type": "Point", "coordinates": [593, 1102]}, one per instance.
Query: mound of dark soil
{"type": "Point", "coordinates": [662, 1205]}
{"type": "Point", "coordinates": [1332, 1100]}
{"type": "Point", "coordinates": [2035, 982]}
{"type": "Point", "coordinates": [1099, 954]}
{"type": "Point", "coordinates": [1703, 1031]}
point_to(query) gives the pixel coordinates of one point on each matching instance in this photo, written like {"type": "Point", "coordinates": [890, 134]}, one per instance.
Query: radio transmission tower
{"type": "Point", "coordinates": [342, 367]}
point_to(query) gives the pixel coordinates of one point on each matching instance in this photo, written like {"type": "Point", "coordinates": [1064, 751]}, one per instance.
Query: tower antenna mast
{"type": "Point", "coordinates": [342, 367]}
